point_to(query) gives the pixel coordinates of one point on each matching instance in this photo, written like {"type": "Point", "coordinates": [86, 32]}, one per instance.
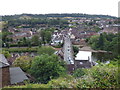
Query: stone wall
{"type": "Point", "coordinates": [5, 76]}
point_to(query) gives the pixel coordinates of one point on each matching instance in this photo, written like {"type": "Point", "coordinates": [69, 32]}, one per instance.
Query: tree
{"type": "Point", "coordinates": [96, 28]}
{"type": "Point", "coordinates": [97, 42]}
{"type": "Point", "coordinates": [4, 35]}
{"type": "Point", "coordinates": [19, 43]}
{"type": "Point", "coordinates": [93, 41]}
{"type": "Point", "coordinates": [35, 40]}
{"type": "Point", "coordinates": [6, 54]}
{"type": "Point", "coordinates": [45, 67]}
{"type": "Point", "coordinates": [42, 33]}
{"type": "Point", "coordinates": [29, 43]}
{"type": "Point", "coordinates": [75, 49]}
{"type": "Point", "coordinates": [46, 50]}
{"type": "Point", "coordinates": [46, 35]}
{"type": "Point", "coordinates": [101, 42]}
{"type": "Point", "coordinates": [24, 62]}
{"type": "Point", "coordinates": [24, 41]}
{"type": "Point", "coordinates": [7, 45]}
{"type": "Point", "coordinates": [115, 45]}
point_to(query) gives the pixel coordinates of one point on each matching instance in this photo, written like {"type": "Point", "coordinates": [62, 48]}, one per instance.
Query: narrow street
{"type": "Point", "coordinates": [68, 54]}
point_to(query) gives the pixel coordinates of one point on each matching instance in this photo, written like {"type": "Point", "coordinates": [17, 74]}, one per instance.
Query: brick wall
{"type": "Point", "coordinates": [5, 76]}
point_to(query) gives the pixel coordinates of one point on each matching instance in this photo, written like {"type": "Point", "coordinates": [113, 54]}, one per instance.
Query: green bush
{"type": "Point", "coordinates": [78, 73]}
{"type": "Point", "coordinates": [104, 76]}
{"type": "Point", "coordinates": [24, 62]}
{"type": "Point", "coordinates": [6, 54]}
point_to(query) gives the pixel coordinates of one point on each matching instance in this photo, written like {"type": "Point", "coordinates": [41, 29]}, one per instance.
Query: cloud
{"type": "Point", "coordinates": [107, 7]}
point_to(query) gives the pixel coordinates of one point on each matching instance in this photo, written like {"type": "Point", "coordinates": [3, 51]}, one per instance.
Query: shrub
{"type": "Point", "coordinates": [6, 54]}
{"type": "Point", "coordinates": [78, 73]}
{"type": "Point", "coordinates": [46, 50]}
{"type": "Point", "coordinates": [24, 62]}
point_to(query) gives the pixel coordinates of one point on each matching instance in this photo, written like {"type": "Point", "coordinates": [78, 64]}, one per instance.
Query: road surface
{"type": "Point", "coordinates": [68, 53]}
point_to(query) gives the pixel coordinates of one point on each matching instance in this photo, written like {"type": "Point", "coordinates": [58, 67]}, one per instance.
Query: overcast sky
{"type": "Point", "coordinates": [104, 7]}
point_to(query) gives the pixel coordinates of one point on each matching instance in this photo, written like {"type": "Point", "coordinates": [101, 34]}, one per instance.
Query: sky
{"type": "Point", "coordinates": [103, 7]}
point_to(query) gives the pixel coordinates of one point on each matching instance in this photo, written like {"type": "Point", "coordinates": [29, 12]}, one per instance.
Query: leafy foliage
{"type": "Point", "coordinates": [78, 73]}
{"type": "Point", "coordinates": [6, 54]}
{"type": "Point", "coordinates": [24, 62]}
{"type": "Point", "coordinates": [75, 49]}
{"type": "Point", "coordinates": [100, 76]}
{"type": "Point", "coordinates": [46, 36]}
{"type": "Point", "coordinates": [35, 40]}
{"type": "Point", "coordinates": [35, 22]}
{"type": "Point", "coordinates": [96, 28]}
{"type": "Point", "coordinates": [45, 67]}
{"type": "Point", "coordinates": [108, 42]}
{"type": "Point", "coordinates": [46, 50]}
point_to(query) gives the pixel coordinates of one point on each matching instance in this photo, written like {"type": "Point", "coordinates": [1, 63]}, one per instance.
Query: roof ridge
{"type": "Point", "coordinates": [3, 60]}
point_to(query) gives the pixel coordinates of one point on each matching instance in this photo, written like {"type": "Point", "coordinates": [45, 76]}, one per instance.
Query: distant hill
{"type": "Point", "coordinates": [30, 16]}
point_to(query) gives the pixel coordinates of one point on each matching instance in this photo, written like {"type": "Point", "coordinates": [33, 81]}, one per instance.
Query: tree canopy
{"type": "Point", "coordinates": [46, 36]}
{"type": "Point", "coordinates": [24, 62]}
{"type": "Point", "coordinates": [75, 49]}
{"type": "Point", "coordinates": [6, 53]}
{"type": "Point", "coordinates": [108, 42]}
{"type": "Point", "coordinates": [45, 68]}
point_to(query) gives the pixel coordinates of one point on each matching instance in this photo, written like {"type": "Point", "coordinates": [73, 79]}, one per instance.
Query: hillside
{"type": "Point", "coordinates": [10, 17]}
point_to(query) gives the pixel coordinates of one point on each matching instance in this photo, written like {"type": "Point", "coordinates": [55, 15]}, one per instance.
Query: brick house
{"type": "Point", "coordinates": [4, 71]}
{"type": "Point", "coordinates": [10, 75]}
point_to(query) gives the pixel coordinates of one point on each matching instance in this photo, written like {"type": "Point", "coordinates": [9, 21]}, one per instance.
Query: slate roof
{"type": "Point", "coordinates": [17, 75]}
{"type": "Point", "coordinates": [3, 61]}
